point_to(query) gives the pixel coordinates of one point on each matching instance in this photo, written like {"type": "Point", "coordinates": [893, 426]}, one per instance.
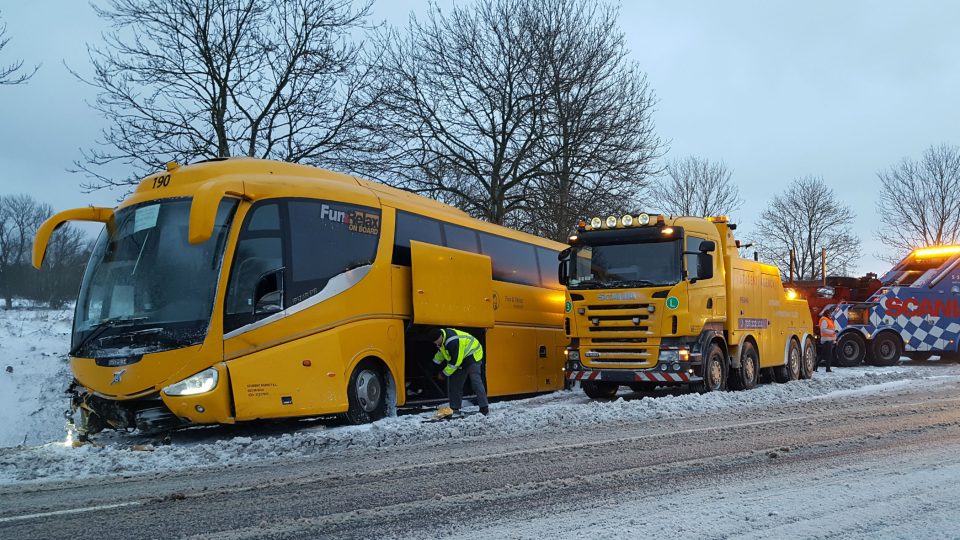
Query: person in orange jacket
{"type": "Point", "coordinates": [828, 336]}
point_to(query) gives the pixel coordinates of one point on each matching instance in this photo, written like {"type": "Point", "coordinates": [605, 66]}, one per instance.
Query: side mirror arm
{"type": "Point", "coordinates": [42, 238]}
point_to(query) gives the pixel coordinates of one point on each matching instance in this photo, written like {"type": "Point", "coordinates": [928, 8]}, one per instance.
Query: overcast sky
{"type": "Point", "coordinates": [777, 90]}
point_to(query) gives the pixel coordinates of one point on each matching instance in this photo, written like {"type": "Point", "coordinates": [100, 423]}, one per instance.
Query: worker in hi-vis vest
{"type": "Point", "coordinates": [462, 356]}
{"type": "Point", "coordinates": [828, 336]}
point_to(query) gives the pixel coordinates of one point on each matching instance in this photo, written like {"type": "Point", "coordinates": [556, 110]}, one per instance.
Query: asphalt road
{"type": "Point", "coordinates": [814, 470]}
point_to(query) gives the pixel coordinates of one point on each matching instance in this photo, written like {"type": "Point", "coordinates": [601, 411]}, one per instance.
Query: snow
{"type": "Point", "coordinates": [32, 402]}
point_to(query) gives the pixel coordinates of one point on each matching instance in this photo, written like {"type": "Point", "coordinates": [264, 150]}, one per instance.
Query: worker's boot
{"type": "Point", "coordinates": [443, 412]}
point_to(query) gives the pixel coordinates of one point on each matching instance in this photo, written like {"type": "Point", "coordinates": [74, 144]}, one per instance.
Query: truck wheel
{"type": "Point", "coordinates": [714, 371]}
{"type": "Point", "coordinates": [886, 349]}
{"type": "Point", "coordinates": [791, 370]}
{"type": "Point", "coordinates": [748, 375]}
{"type": "Point", "coordinates": [809, 363]}
{"type": "Point", "coordinates": [600, 389]}
{"type": "Point", "coordinates": [366, 395]}
{"type": "Point", "coordinates": [851, 349]}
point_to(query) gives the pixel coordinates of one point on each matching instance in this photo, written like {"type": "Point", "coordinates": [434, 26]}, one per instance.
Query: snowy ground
{"type": "Point", "coordinates": [37, 448]}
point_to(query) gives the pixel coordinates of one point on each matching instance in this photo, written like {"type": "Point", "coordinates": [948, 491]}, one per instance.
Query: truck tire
{"type": "Point", "coordinates": [714, 371]}
{"type": "Point", "coordinates": [809, 363]}
{"type": "Point", "coordinates": [747, 376]}
{"type": "Point", "coordinates": [791, 370]}
{"type": "Point", "coordinates": [600, 389]}
{"type": "Point", "coordinates": [886, 349]}
{"type": "Point", "coordinates": [851, 349]}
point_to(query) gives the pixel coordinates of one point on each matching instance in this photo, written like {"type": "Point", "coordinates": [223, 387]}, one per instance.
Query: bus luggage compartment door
{"type": "Point", "coordinates": [451, 287]}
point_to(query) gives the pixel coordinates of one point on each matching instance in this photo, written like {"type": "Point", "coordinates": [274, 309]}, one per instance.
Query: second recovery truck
{"type": "Point", "coordinates": [655, 300]}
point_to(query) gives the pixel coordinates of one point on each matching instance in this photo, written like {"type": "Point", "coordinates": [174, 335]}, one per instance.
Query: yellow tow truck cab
{"type": "Point", "coordinates": [658, 300]}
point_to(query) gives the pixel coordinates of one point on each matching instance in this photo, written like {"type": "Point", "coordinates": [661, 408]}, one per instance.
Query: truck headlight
{"type": "Point", "coordinates": [668, 357]}
{"type": "Point", "coordinates": [204, 381]}
{"type": "Point", "coordinates": [573, 355]}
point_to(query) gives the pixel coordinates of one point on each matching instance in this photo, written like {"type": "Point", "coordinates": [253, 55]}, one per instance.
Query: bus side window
{"type": "Point", "coordinates": [413, 227]}
{"type": "Point", "coordinates": [461, 238]}
{"type": "Point", "coordinates": [259, 251]}
{"type": "Point", "coordinates": [513, 261]}
{"type": "Point", "coordinates": [547, 258]}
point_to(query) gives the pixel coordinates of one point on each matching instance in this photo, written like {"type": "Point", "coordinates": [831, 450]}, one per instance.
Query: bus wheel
{"type": "Point", "coordinates": [600, 389]}
{"type": "Point", "coordinates": [791, 370]}
{"type": "Point", "coordinates": [748, 375]}
{"type": "Point", "coordinates": [714, 371]}
{"type": "Point", "coordinates": [851, 349]}
{"type": "Point", "coordinates": [809, 363]}
{"type": "Point", "coordinates": [886, 349]}
{"type": "Point", "coordinates": [366, 395]}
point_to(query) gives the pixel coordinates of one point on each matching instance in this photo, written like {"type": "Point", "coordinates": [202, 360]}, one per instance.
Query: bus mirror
{"type": "Point", "coordinates": [269, 293]}
{"type": "Point", "coordinates": [564, 255]}
{"type": "Point", "coordinates": [206, 201]}
{"type": "Point", "coordinates": [42, 238]}
{"type": "Point", "coordinates": [707, 246]}
{"type": "Point", "coordinates": [704, 265]}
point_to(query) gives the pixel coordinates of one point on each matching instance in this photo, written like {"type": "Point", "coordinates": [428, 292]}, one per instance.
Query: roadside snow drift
{"type": "Point", "coordinates": [34, 343]}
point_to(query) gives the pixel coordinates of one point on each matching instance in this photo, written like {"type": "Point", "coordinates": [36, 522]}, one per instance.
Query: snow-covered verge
{"type": "Point", "coordinates": [34, 373]}
{"type": "Point", "coordinates": [33, 405]}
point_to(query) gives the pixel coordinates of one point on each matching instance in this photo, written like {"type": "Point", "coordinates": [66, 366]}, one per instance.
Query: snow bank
{"type": "Point", "coordinates": [561, 410]}
{"type": "Point", "coordinates": [34, 373]}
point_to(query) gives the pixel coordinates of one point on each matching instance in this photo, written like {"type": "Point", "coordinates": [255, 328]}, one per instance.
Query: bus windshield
{"type": "Point", "coordinates": [146, 288]}
{"type": "Point", "coordinates": [611, 266]}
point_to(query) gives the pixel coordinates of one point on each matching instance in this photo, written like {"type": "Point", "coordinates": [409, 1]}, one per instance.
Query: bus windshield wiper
{"type": "Point", "coordinates": [589, 284]}
{"type": "Point", "coordinates": [102, 327]}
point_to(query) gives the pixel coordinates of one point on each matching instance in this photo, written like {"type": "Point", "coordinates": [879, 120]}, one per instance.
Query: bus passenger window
{"type": "Point", "coordinates": [549, 267]}
{"type": "Point", "coordinates": [327, 239]}
{"type": "Point", "coordinates": [513, 261]}
{"type": "Point", "coordinates": [461, 238]}
{"type": "Point", "coordinates": [413, 227]}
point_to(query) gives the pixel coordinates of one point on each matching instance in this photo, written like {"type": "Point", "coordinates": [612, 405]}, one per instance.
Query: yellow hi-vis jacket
{"type": "Point", "coordinates": [468, 345]}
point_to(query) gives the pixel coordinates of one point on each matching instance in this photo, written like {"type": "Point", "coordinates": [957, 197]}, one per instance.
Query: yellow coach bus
{"type": "Point", "coordinates": [242, 289]}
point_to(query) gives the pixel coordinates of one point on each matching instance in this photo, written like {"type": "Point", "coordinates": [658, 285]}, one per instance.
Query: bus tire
{"type": "Point", "coordinates": [791, 370]}
{"type": "Point", "coordinates": [714, 371]}
{"type": "Point", "coordinates": [600, 389]}
{"type": "Point", "coordinates": [366, 395]}
{"type": "Point", "coordinates": [748, 375]}
{"type": "Point", "coordinates": [851, 349]}
{"type": "Point", "coordinates": [886, 349]}
{"type": "Point", "coordinates": [809, 364]}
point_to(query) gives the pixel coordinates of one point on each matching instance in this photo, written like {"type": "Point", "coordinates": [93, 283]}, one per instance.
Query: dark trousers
{"type": "Point", "coordinates": [455, 383]}
{"type": "Point", "coordinates": [827, 350]}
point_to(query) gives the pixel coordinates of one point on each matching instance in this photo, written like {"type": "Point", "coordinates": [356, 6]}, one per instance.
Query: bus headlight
{"type": "Point", "coordinates": [204, 381]}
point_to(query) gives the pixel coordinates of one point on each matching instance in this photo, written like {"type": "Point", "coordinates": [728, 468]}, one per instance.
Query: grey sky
{"type": "Point", "coordinates": [777, 90]}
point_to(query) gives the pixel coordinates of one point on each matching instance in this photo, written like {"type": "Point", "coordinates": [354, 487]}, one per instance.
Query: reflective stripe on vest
{"type": "Point", "coordinates": [468, 346]}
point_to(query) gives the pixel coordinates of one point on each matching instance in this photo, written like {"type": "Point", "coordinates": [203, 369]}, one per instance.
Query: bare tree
{"type": "Point", "coordinates": [463, 116]}
{"type": "Point", "coordinates": [696, 186]}
{"type": "Point", "coordinates": [919, 202]}
{"type": "Point", "coordinates": [14, 72]}
{"type": "Point", "coordinates": [20, 216]}
{"type": "Point", "coordinates": [806, 218]}
{"type": "Point", "coordinates": [600, 144]}
{"type": "Point", "coordinates": [192, 79]}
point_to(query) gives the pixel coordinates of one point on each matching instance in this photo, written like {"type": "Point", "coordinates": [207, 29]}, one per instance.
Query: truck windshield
{"type": "Point", "coordinates": [611, 266]}
{"type": "Point", "coordinates": [146, 288]}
